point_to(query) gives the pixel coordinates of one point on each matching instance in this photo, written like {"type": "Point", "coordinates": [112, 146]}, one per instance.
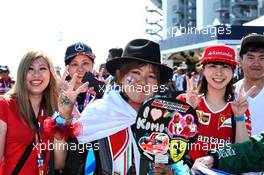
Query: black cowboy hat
{"type": "Point", "coordinates": [142, 50]}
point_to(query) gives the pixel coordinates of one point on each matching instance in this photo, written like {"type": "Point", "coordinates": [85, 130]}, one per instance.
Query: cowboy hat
{"type": "Point", "coordinates": [142, 50]}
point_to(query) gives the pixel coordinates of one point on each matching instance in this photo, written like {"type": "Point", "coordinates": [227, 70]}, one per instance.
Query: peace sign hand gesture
{"type": "Point", "coordinates": [67, 93]}
{"type": "Point", "coordinates": [192, 96]}
{"type": "Point", "coordinates": [240, 105]}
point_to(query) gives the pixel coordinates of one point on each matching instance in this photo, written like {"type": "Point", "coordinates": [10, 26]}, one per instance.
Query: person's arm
{"type": "Point", "coordinates": [237, 158]}
{"type": "Point", "coordinates": [241, 132]}
{"type": "Point", "coordinates": [242, 157]}
{"type": "Point", "coordinates": [60, 154]}
{"type": "Point", "coordinates": [65, 106]}
{"type": "Point", "coordinates": [3, 130]}
{"type": "Point", "coordinates": [239, 108]}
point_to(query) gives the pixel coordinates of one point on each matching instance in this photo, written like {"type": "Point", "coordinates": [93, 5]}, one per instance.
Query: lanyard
{"type": "Point", "coordinates": [38, 143]}
{"type": "Point", "coordinates": [86, 101]}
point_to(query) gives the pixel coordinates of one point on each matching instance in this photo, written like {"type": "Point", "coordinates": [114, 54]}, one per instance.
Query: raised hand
{"type": "Point", "coordinates": [192, 97]}
{"type": "Point", "coordinates": [67, 93]}
{"type": "Point", "coordinates": [240, 105]}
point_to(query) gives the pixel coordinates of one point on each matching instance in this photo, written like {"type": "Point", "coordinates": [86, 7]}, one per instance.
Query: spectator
{"type": "Point", "coordinates": [110, 118]}
{"type": "Point", "coordinates": [218, 117]}
{"type": "Point", "coordinates": [114, 53]}
{"type": "Point", "coordinates": [198, 73]}
{"type": "Point", "coordinates": [22, 113]}
{"type": "Point", "coordinates": [80, 59]}
{"type": "Point", "coordinates": [252, 62]}
{"type": "Point", "coordinates": [6, 82]}
{"type": "Point", "coordinates": [179, 78]}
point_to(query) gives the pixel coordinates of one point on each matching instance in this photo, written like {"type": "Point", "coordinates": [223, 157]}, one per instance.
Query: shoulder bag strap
{"type": "Point", "coordinates": [23, 158]}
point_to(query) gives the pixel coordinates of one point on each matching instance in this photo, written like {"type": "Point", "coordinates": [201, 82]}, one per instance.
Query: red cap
{"type": "Point", "coordinates": [219, 53]}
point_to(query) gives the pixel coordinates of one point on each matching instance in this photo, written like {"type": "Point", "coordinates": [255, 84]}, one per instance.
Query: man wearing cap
{"type": "Point", "coordinates": [6, 83]}
{"type": "Point", "coordinates": [252, 62]}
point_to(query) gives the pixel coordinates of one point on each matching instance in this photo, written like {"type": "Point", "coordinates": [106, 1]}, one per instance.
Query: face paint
{"type": "Point", "coordinates": [130, 80]}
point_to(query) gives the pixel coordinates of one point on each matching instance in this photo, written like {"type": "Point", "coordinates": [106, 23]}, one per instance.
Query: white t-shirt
{"type": "Point", "coordinates": [256, 113]}
{"type": "Point", "coordinates": [255, 109]}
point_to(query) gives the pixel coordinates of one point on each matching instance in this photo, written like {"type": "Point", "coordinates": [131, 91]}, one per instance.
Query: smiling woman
{"type": "Point", "coordinates": [38, 77]}
{"type": "Point", "coordinates": [109, 120]}
{"type": "Point", "coordinates": [220, 113]}
{"type": "Point", "coordinates": [22, 113]}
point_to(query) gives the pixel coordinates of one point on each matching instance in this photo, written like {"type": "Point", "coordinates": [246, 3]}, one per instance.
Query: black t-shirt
{"type": "Point", "coordinates": [76, 158]}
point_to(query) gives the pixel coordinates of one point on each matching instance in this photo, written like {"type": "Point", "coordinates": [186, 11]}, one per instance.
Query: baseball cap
{"type": "Point", "coordinates": [4, 68]}
{"type": "Point", "coordinates": [77, 49]}
{"type": "Point", "coordinates": [249, 39]}
{"type": "Point", "coordinates": [219, 53]}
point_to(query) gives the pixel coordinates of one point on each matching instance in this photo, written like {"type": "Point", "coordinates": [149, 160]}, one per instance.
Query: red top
{"type": "Point", "coordinates": [214, 128]}
{"type": "Point", "coordinates": [18, 137]}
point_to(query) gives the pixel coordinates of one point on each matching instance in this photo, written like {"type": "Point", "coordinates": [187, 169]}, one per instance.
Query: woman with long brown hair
{"type": "Point", "coordinates": [24, 146]}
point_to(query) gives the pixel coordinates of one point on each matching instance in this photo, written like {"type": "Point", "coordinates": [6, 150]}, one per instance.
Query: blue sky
{"type": "Point", "coordinates": [51, 25]}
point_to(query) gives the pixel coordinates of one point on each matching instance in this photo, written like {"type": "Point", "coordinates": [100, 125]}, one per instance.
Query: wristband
{"type": "Point", "coordinates": [180, 168]}
{"type": "Point", "coordinates": [240, 118]}
{"type": "Point", "coordinates": [59, 120]}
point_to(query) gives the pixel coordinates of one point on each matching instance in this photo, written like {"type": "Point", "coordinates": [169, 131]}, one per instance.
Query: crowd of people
{"type": "Point", "coordinates": [82, 122]}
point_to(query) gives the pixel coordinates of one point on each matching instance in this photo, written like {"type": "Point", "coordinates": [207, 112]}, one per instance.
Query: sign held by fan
{"type": "Point", "coordinates": [164, 128]}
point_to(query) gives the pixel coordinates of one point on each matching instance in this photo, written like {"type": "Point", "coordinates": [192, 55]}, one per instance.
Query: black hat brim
{"type": "Point", "coordinates": [114, 64]}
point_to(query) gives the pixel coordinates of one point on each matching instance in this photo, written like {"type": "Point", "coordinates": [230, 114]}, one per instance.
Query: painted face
{"type": "Point", "coordinates": [80, 64]}
{"type": "Point", "coordinates": [140, 83]}
{"type": "Point", "coordinates": [218, 75]}
{"type": "Point", "coordinates": [38, 77]}
{"type": "Point", "coordinates": [253, 65]}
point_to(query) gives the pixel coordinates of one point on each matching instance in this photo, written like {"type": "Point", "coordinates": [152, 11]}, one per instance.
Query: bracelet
{"type": "Point", "coordinates": [240, 118]}
{"type": "Point", "coordinates": [179, 168]}
{"type": "Point", "coordinates": [59, 120]}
